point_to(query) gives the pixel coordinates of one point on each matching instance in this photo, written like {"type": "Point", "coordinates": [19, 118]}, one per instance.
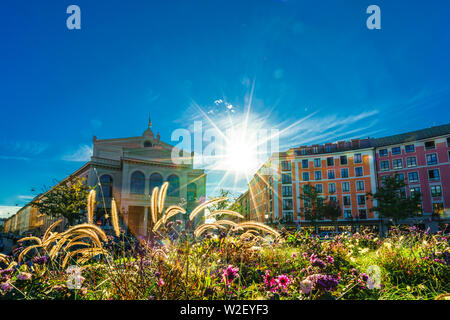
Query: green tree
{"type": "Point", "coordinates": [229, 204]}
{"type": "Point", "coordinates": [392, 201]}
{"type": "Point", "coordinates": [68, 200]}
{"type": "Point", "coordinates": [331, 210]}
{"type": "Point", "coordinates": [313, 203]}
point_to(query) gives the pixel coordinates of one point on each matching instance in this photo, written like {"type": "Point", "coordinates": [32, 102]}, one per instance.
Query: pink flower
{"type": "Point", "coordinates": [229, 274]}
{"type": "Point", "coordinates": [273, 285]}
{"type": "Point", "coordinates": [160, 282]}
{"type": "Point", "coordinates": [330, 259]}
{"type": "Point", "coordinates": [283, 280]}
{"type": "Point", "coordinates": [294, 255]}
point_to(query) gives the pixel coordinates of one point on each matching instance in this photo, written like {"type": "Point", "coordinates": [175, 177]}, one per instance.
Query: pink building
{"type": "Point", "coordinates": [422, 159]}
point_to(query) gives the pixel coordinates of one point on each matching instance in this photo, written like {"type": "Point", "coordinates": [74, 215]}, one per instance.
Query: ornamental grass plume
{"type": "Point", "coordinates": [154, 204]}
{"type": "Point", "coordinates": [48, 232]}
{"type": "Point", "coordinates": [204, 205]}
{"type": "Point", "coordinates": [36, 239]}
{"type": "Point", "coordinates": [115, 217]}
{"type": "Point", "coordinates": [162, 197]}
{"type": "Point", "coordinates": [228, 212]}
{"type": "Point", "coordinates": [4, 258]}
{"type": "Point", "coordinates": [202, 228]}
{"type": "Point", "coordinates": [91, 206]}
{"type": "Point", "coordinates": [172, 211]}
{"type": "Point", "coordinates": [260, 226]}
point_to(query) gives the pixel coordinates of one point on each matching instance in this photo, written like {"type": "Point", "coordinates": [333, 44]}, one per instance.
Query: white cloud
{"type": "Point", "coordinates": [82, 154]}
{"type": "Point", "coordinates": [8, 211]}
{"type": "Point", "coordinates": [25, 197]}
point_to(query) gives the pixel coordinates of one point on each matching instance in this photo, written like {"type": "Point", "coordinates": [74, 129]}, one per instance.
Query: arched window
{"type": "Point", "coordinates": [174, 186]}
{"type": "Point", "coordinates": [148, 144]}
{"type": "Point", "coordinates": [106, 183]}
{"type": "Point", "coordinates": [156, 180]}
{"type": "Point", "coordinates": [137, 184]}
{"type": "Point", "coordinates": [191, 192]}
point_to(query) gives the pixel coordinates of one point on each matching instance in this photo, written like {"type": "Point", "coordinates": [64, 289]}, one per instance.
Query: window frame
{"type": "Point", "coordinates": [346, 183]}
{"type": "Point", "coordinates": [413, 172]}
{"type": "Point", "coordinates": [383, 152]}
{"type": "Point", "coordinates": [388, 165]}
{"type": "Point", "coordinates": [409, 151]}
{"type": "Point", "coordinates": [408, 164]}
{"type": "Point", "coordinates": [434, 157]}
{"type": "Point", "coordinates": [359, 169]}
{"type": "Point", "coordinates": [394, 161]}
{"type": "Point", "coordinates": [396, 149]}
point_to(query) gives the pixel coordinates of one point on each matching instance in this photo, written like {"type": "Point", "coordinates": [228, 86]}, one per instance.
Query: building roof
{"type": "Point", "coordinates": [412, 136]}
{"type": "Point", "coordinates": [356, 144]}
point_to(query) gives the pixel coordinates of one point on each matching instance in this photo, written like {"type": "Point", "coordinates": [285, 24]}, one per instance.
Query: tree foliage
{"type": "Point", "coordinates": [66, 200]}
{"type": "Point", "coordinates": [317, 207]}
{"type": "Point", "coordinates": [393, 202]}
{"type": "Point", "coordinates": [229, 204]}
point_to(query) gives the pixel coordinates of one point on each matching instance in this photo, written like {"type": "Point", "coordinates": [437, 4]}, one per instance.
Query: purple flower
{"type": "Point", "coordinates": [364, 276]}
{"type": "Point", "coordinates": [6, 271]}
{"type": "Point", "coordinates": [24, 276]}
{"type": "Point", "coordinates": [6, 286]}
{"type": "Point", "coordinates": [324, 282]}
{"type": "Point", "coordinates": [316, 262]}
{"type": "Point", "coordinates": [40, 260]}
{"type": "Point", "coordinates": [17, 250]}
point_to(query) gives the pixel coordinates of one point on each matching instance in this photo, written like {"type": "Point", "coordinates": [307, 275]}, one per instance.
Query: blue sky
{"type": "Point", "coordinates": [315, 59]}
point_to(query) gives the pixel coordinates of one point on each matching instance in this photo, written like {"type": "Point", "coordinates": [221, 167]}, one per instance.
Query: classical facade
{"type": "Point", "coordinates": [128, 169]}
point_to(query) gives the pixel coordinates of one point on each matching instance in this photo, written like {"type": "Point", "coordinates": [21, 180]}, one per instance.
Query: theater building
{"type": "Point", "coordinates": [128, 169]}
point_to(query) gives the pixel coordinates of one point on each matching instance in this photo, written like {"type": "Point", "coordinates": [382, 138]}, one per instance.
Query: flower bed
{"type": "Point", "coordinates": [408, 264]}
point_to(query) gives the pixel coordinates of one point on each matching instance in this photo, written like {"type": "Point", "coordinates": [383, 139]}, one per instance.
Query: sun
{"type": "Point", "coordinates": [240, 155]}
